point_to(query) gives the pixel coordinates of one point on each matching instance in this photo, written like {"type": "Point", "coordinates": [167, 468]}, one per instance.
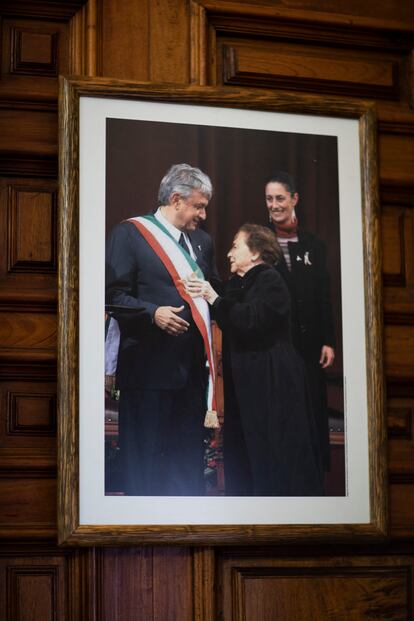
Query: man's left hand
{"type": "Point", "coordinates": [327, 357]}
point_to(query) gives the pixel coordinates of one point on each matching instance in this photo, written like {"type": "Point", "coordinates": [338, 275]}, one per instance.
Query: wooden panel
{"type": "Point", "coordinates": [128, 23]}
{"type": "Point", "coordinates": [169, 40]}
{"type": "Point", "coordinates": [32, 216]}
{"type": "Point", "coordinates": [36, 134]}
{"type": "Point", "coordinates": [400, 417]}
{"type": "Point", "coordinates": [31, 593]}
{"type": "Point", "coordinates": [264, 27]}
{"type": "Point", "coordinates": [21, 164]}
{"type": "Point", "coordinates": [399, 350]}
{"type": "Point", "coordinates": [25, 332]}
{"type": "Point", "coordinates": [172, 584]}
{"type": "Point", "coordinates": [401, 434]}
{"type": "Point", "coordinates": [401, 464]}
{"type": "Point", "coordinates": [309, 68]}
{"type": "Point", "coordinates": [27, 505]}
{"type": "Point", "coordinates": [393, 246]}
{"type": "Point", "coordinates": [28, 415]}
{"type": "Point", "coordinates": [402, 509]}
{"type": "Point", "coordinates": [340, 11]}
{"type": "Point", "coordinates": [49, 9]}
{"type": "Point", "coordinates": [204, 585]}
{"type": "Point", "coordinates": [28, 240]}
{"type": "Point", "coordinates": [396, 158]}
{"type": "Point", "coordinates": [86, 36]}
{"type": "Point", "coordinates": [34, 53]}
{"type": "Point", "coordinates": [155, 37]}
{"type": "Point", "coordinates": [398, 254]}
{"type": "Point", "coordinates": [125, 584]}
{"type": "Point", "coordinates": [40, 582]}
{"type": "Point", "coordinates": [269, 586]}
{"type": "Point", "coordinates": [385, 10]}
{"type": "Point", "coordinates": [34, 588]}
{"type": "Point", "coordinates": [31, 414]}
{"type": "Point", "coordinates": [394, 119]}
{"type": "Point", "coordinates": [139, 584]}
{"type": "Point", "coordinates": [350, 596]}
{"type": "Point", "coordinates": [262, 17]}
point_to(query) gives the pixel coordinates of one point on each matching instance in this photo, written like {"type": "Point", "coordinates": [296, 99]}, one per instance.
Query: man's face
{"type": "Point", "coordinates": [190, 211]}
{"type": "Point", "coordinates": [280, 203]}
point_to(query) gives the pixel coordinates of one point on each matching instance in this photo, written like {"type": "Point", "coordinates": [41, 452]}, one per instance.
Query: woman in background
{"type": "Point", "coordinates": [304, 269]}
{"type": "Point", "coordinates": [270, 444]}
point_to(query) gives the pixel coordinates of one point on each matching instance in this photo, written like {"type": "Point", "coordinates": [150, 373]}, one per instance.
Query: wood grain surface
{"type": "Point", "coordinates": [176, 42]}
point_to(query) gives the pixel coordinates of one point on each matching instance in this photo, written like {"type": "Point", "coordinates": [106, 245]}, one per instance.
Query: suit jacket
{"type": "Point", "coordinates": [309, 287]}
{"type": "Point", "coordinates": [149, 358]}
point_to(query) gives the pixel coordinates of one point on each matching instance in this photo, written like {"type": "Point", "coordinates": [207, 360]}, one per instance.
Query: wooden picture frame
{"type": "Point", "coordinates": [366, 449]}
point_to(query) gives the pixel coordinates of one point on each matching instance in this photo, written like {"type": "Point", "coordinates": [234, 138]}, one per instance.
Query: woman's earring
{"type": "Point", "coordinates": [270, 218]}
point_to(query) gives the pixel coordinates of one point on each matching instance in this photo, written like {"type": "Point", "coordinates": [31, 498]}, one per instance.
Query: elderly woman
{"type": "Point", "coordinates": [270, 445]}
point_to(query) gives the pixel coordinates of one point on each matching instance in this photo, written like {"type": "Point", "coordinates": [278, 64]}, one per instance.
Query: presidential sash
{"type": "Point", "coordinates": [180, 265]}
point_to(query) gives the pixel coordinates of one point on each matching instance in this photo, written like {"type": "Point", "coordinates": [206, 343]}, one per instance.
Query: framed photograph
{"type": "Point", "coordinates": [269, 319]}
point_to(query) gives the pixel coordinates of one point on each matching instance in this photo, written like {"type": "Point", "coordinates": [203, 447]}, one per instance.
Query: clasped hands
{"type": "Point", "coordinates": [196, 288]}
{"type": "Point", "coordinates": [167, 317]}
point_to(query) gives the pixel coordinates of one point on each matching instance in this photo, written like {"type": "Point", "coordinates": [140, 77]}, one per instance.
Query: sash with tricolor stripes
{"type": "Point", "coordinates": [180, 265]}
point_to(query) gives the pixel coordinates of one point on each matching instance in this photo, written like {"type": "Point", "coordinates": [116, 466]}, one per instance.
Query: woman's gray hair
{"type": "Point", "coordinates": [183, 179]}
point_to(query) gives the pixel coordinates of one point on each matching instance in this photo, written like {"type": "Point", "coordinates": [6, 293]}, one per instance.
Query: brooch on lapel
{"type": "Point", "coordinates": [305, 259]}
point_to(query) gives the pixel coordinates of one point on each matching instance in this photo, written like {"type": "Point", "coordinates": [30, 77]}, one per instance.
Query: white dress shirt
{"type": "Point", "coordinates": [176, 233]}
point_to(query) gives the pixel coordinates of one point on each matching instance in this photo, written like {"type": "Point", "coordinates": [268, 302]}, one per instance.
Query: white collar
{"type": "Point", "coordinates": [176, 233]}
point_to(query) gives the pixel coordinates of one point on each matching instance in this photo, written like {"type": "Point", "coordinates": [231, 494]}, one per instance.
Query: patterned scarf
{"type": "Point", "coordinates": [287, 230]}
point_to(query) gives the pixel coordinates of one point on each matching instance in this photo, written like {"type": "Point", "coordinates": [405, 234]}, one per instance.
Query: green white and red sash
{"type": "Point", "coordinates": [180, 265]}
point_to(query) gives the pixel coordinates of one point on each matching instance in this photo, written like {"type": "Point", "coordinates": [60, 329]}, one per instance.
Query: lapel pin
{"type": "Point", "coordinates": [306, 258]}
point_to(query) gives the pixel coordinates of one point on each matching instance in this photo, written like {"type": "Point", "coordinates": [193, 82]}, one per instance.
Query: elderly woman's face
{"type": "Point", "coordinates": [240, 256]}
{"type": "Point", "coordinates": [280, 203]}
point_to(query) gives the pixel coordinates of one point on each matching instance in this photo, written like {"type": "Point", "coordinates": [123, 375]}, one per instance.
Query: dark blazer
{"type": "Point", "coordinates": [136, 278]}
{"type": "Point", "coordinates": [308, 284]}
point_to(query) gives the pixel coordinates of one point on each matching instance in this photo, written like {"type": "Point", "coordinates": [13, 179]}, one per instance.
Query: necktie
{"type": "Point", "coordinates": [183, 243]}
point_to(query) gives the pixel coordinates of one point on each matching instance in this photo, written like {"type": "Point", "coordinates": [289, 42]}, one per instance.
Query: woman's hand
{"type": "Point", "coordinates": [196, 287]}
{"type": "Point", "coordinates": [327, 357]}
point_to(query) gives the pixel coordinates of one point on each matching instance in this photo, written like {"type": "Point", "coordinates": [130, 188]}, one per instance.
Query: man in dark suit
{"type": "Point", "coordinates": [161, 370]}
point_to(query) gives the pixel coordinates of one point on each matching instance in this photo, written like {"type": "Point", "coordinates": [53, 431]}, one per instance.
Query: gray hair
{"type": "Point", "coordinates": [183, 179]}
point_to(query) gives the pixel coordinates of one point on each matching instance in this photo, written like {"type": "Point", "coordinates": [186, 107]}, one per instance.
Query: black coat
{"type": "Point", "coordinates": [309, 287]}
{"type": "Point", "coordinates": [312, 321]}
{"type": "Point", "coordinates": [270, 446]}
